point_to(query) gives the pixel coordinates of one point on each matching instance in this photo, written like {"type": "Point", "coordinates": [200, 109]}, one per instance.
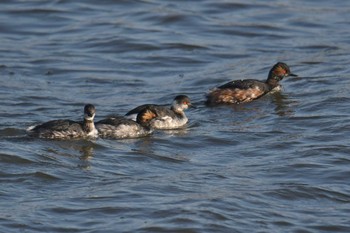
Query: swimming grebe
{"type": "Point", "coordinates": [121, 127]}
{"type": "Point", "coordinates": [167, 118]}
{"type": "Point", "coordinates": [66, 129]}
{"type": "Point", "coordinates": [240, 91]}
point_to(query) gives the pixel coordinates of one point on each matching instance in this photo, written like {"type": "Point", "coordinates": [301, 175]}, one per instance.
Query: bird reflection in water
{"type": "Point", "coordinates": [284, 106]}
{"type": "Point", "coordinates": [86, 153]}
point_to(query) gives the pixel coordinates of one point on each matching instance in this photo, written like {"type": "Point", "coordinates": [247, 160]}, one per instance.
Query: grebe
{"type": "Point", "coordinates": [167, 118]}
{"type": "Point", "coordinates": [121, 127]}
{"type": "Point", "coordinates": [66, 129]}
{"type": "Point", "coordinates": [240, 91]}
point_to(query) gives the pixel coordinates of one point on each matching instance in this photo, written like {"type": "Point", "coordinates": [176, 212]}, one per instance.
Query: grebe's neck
{"type": "Point", "coordinates": [272, 82]}
{"type": "Point", "coordinates": [88, 124]}
{"type": "Point", "coordinates": [178, 108]}
{"type": "Point", "coordinates": [179, 112]}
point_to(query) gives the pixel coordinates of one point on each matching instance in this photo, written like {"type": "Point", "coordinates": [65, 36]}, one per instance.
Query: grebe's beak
{"type": "Point", "coordinates": [191, 106]}
{"type": "Point", "coordinates": [294, 75]}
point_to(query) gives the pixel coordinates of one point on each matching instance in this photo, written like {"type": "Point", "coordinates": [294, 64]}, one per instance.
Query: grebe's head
{"type": "Point", "coordinates": [181, 102]}
{"type": "Point", "coordinates": [145, 117]}
{"type": "Point", "coordinates": [89, 112]}
{"type": "Point", "coordinates": [279, 71]}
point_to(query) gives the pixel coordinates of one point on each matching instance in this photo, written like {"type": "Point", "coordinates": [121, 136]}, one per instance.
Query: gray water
{"type": "Point", "coordinates": [279, 164]}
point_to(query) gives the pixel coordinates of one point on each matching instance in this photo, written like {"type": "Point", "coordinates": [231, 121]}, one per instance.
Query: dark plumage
{"type": "Point", "coordinates": [239, 91]}
{"type": "Point", "coordinates": [121, 127]}
{"type": "Point", "coordinates": [66, 129]}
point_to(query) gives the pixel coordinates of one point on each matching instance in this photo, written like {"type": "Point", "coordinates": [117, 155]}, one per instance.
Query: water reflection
{"type": "Point", "coordinates": [160, 147]}
{"type": "Point", "coordinates": [177, 132]}
{"type": "Point", "coordinates": [64, 150]}
{"type": "Point", "coordinates": [232, 169]}
{"type": "Point", "coordinates": [87, 152]}
{"type": "Point", "coordinates": [283, 104]}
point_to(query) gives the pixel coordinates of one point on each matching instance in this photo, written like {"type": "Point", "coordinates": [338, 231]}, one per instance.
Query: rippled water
{"type": "Point", "coordinates": [279, 164]}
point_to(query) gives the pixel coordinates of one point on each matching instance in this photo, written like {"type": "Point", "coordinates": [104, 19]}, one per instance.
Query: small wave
{"type": "Point", "coordinates": [14, 159]}
{"type": "Point", "coordinates": [20, 177]}
{"type": "Point", "coordinates": [304, 191]}
{"type": "Point", "coordinates": [45, 176]}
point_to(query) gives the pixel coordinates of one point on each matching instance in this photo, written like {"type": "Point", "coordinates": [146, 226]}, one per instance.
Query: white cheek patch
{"type": "Point", "coordinates": [88, 118]}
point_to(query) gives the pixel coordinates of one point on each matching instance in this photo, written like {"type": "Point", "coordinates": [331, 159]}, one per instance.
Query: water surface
{"type": "Point", "coordinates": [279, 164]}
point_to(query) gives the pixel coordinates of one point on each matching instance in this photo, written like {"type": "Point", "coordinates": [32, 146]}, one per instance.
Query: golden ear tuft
{"type": "Point", "coordinates": [279, 70]}
{"type": "Point", "coordinates": [148, 115]}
